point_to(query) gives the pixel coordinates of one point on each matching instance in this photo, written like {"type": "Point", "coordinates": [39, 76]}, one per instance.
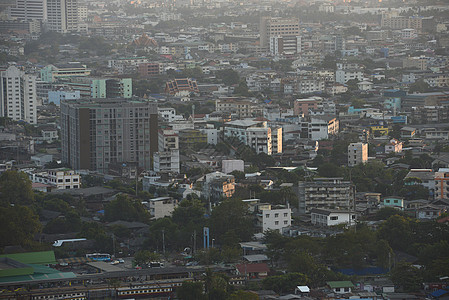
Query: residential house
{"type": "Point", "coordinates": [218, 185]}
{"type": "Point", "coordinates": [394, 146]}
{"type": "Point", "coordinates": [161, 207]}
{"type": "Point", "coordinates": [394, 202]}
{"type": "Point", "coordinates": [408, 132]}
{"type": "Point", "coordinates": [253, 271]}
{"type": "Point", "coordinates": [332, 217]}
{"type": "Point", "coordinates": [274, 218]}
{"type": "Point", "coordinates": [340, 287]}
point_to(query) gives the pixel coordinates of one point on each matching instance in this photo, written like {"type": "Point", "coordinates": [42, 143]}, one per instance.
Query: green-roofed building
{"type": "Point", "coordinates": [24, 268]}
{"type": "Point", "coordinates": [41, 258]}
{"type": "Point", "coordinates": [340, 287]}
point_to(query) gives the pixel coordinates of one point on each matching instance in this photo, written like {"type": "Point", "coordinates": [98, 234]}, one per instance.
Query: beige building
{"type": "Point", "coordinates": [277, 27]}
{"type": "Point", "coordinates": [64, 179]}
{"type": "Point", "coordinates": [241, 108]}
{"type": "Point", "coordinates": [357, 154]}
{"type": "Point", "coordinates": [276, 140]}
{"type": "Point", "coordinates": [161, 207]}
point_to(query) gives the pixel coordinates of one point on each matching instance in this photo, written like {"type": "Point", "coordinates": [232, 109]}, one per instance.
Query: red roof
{"type": "Point", "coordinates": [253, 268]}
{"type": "Point", "coordinates": [260, 119]}
{"type": "Point", "coordinates": [443, 220]}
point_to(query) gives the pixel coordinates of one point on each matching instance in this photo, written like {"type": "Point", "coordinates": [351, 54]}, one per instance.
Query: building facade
{"type": "Point", "coordinates": [357, 154]}
{"type": "Point", "coordinates": [18, 99]}
{"type": "Point", "coordinates": [325, 193]}
{"type": "Point", "coordinates": [275, 218]}
{"type": "Point", "coordinates": [99, 132]}
{"type": "Point", "coordinates": [166, 160]}
{"type": "Point", "coordinates": [62, 15]}
{"type": "Point", "coordinates": [28, 10]}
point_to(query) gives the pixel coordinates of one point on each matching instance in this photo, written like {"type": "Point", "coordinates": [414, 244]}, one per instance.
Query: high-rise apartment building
{"type": "Point", "coordinates": [62, 15]}
{"type": "Point", "coordinates": [277, 27]}
{"type": "Point", "coordinates": [18, 95]}
{"type": "Point", "coordinates": [357, 154]}
{"type": "Point", "coordinates": [29, 10]}
{"type": "Point", "coordinates": [98, 132]}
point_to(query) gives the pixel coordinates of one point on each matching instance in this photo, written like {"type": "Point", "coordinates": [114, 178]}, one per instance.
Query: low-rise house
{"type": "Point", "coordinates": [274, 218]}
{"type": "Point", "coordinates": [328, 217]}
{"type": "Point", "coordinates": [429, 211]}
{"type": "Point", "coordinates": [218, 185]}
{"type": "Point", "coordinates": [408, 132]}
{"type": "Point", "coordinates": [161, 207]}
{"type": "Point", "coordinates": [394, 146]}
{"type": "Point", "coordinates": [253, 271]}
{"type": "Point", "coordinates": [41, 159]}
{"type": "Point", "coordinates": [395, 202]}
{"type": "Point", "coordinates": [340, 287]}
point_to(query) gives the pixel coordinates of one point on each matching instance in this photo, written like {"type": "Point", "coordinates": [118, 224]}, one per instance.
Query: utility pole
{"type": "Point", "coordinates": [163, 241]}
{"type": "Point", "coordinates": [194, 241]}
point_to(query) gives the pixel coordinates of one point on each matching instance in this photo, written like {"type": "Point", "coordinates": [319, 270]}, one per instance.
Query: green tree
{"type": "Point", "coordinates": [238, 175]}
{"type": "Point", "coordinates": [330, 170]}
{"type": "Point", "coordinates": [15, 188]}
{"type": "Point", "coordinates": [407, 276]}
{"type": "Point", "coordinates": [143, 257]}
{"type": "Point", "coordinates": [243, 295]}
{"type": "Point", "coordinates": [231, 222]}
{"type": "Point", "coordinates": [420, 86]}
{"type": "Point", "coordinates": [397, 231]}
{"type": "Point", "coordinates": [285, 283]}
{"type": "Point", "coordinates": [71, 222]}
{"type": "Point", "coordinates": [386, 212]}
{"type": "Point", "coordinates": [18, 225]}
{"type": "Point", "coordinates": [95, 231]}
{"type": "Point", "coordinates": [190, 291]}
{"type": "Point", "coordinates": [124, 208]}
{"type": "Point", "coordinates": [242, 89]}
{"type": "Point", "coordinates": [228, 76]}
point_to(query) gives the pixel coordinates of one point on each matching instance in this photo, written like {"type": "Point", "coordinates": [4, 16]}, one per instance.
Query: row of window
{"type": "Point", "coordinates": [276, 215]}
{"type": "Point", "coordinates": [144, 291]}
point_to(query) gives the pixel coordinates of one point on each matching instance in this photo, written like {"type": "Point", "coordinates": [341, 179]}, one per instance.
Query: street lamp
{"type": "Point", "coordinates": [213, 243]}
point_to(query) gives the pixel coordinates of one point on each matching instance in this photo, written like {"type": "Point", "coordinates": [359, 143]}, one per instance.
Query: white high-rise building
{"type": "Point", "coordinates": [29, 10]}
{"type": "Point", "coordinates": [62, 15]}
{"type": "Point", "coordinates": [18, 95]}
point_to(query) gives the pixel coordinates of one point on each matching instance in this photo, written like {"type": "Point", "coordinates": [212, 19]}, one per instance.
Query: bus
{"type": "Point", "coordinates": [99, 256]}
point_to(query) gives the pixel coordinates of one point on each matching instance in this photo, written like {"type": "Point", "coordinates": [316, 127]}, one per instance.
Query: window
{"type": "Point", "coordinates": [276, 215]}
{"type": "Point", "coordinates": [276, 223]}
{"type": "Point", "coordinates": [267, 215]}
{"type": "Point", "coordinates": [285, 222]}
{"type": "Point", "coordinates": [334, 218]}
{"type": "Point", "coordinates": [67, 180]}
{"type": "Point", "coordinates": [285, 214]}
